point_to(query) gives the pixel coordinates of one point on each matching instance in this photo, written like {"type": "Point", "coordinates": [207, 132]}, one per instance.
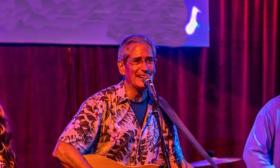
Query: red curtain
{"type": "Point", "coordinates": [217, 91]}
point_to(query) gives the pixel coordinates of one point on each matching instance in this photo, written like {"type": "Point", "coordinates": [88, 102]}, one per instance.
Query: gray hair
{"type": "Point", "coordinates": [135, 38]}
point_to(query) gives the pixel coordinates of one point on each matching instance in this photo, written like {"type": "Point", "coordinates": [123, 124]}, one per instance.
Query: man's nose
{"type": "Point", "coordinates": [147, 69]}
{"type": "Point", "coordinates": [144, 64]}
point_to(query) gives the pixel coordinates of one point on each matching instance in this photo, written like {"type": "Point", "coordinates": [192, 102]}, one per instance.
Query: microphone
{"type": "Point", "coordinates": [151, 87]}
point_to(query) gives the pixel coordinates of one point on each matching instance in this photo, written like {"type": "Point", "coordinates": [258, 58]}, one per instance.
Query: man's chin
{"type": "Point", "coordinates": [141, 86]}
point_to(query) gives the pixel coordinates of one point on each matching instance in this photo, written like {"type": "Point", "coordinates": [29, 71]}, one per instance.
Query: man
{"type": "Point", "coordinates": [262, 149]}
{"type": "Point", "coordinates": [118, 122]}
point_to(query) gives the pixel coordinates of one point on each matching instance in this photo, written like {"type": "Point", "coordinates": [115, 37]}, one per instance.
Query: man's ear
{"type": "Point", "coordinates": [121, 68]}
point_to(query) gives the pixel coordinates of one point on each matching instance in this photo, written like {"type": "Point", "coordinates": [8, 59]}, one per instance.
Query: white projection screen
{"type": "Point", "coordinates": [172, 23]}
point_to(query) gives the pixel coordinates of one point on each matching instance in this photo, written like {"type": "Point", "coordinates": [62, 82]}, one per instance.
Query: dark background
{"type": "Point", "coordinates": [217, 91]}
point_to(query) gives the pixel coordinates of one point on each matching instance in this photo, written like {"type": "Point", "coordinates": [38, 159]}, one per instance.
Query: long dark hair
{"type": "Point", "coordinates": [6, 152]}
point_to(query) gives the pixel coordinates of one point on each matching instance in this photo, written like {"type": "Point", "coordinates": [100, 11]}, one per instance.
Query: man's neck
{"type": "Point", "coordinates": [134, 94]}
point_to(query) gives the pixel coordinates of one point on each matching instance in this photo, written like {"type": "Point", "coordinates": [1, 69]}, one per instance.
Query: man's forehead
{"type": "Point", "coordinates": [138, 48]}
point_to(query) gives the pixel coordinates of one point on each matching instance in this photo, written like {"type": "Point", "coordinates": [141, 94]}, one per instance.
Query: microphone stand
{"type": "Point", "coordinates": [178, 122]}
{"type": "Point", "coordinates": [156, 112]}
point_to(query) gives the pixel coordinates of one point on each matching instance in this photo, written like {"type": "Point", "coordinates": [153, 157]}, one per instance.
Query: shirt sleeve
{"type": "Point", "coordinates": [83, 128]}
{"type": "Point", "coordinates": [258, 149]}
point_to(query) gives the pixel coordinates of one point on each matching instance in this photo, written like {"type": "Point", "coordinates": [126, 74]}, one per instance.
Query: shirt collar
{"type": "Point", "coordinates": [121, 92]}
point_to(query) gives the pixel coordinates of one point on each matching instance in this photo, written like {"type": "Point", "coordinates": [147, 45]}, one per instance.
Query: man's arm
{"type": "Point", "coordinates": [176, 157]}
{"type": "Point", "coordinates": [69, 156]}
{"type": "Point", "coordinates": [78, 136]}
{"type": "Point", "coordinates": [258, 148]}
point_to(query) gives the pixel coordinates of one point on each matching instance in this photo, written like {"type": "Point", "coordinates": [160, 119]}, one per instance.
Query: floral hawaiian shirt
{"type": "Point", "coordinates": [106, 125]}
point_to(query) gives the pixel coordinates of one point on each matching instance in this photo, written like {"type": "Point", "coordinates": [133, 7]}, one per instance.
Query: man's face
{"type": "Point", "coordinates": [138, 65]}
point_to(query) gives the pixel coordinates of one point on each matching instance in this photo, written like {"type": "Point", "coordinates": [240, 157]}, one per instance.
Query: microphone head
{"type": "Point", "coordinates": [148, 82]}
{"type": "Point", "coordinates": [151, 88]}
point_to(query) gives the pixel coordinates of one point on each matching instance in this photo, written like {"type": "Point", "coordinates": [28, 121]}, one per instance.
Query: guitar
{"type": "Point", "coordinates": [98, 161]}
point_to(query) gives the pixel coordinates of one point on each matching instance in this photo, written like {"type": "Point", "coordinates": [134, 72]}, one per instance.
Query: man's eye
{"type": "Point", "coordinates": [137, 60]}
{"type": "Point", "coordinates": [149, 59]}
